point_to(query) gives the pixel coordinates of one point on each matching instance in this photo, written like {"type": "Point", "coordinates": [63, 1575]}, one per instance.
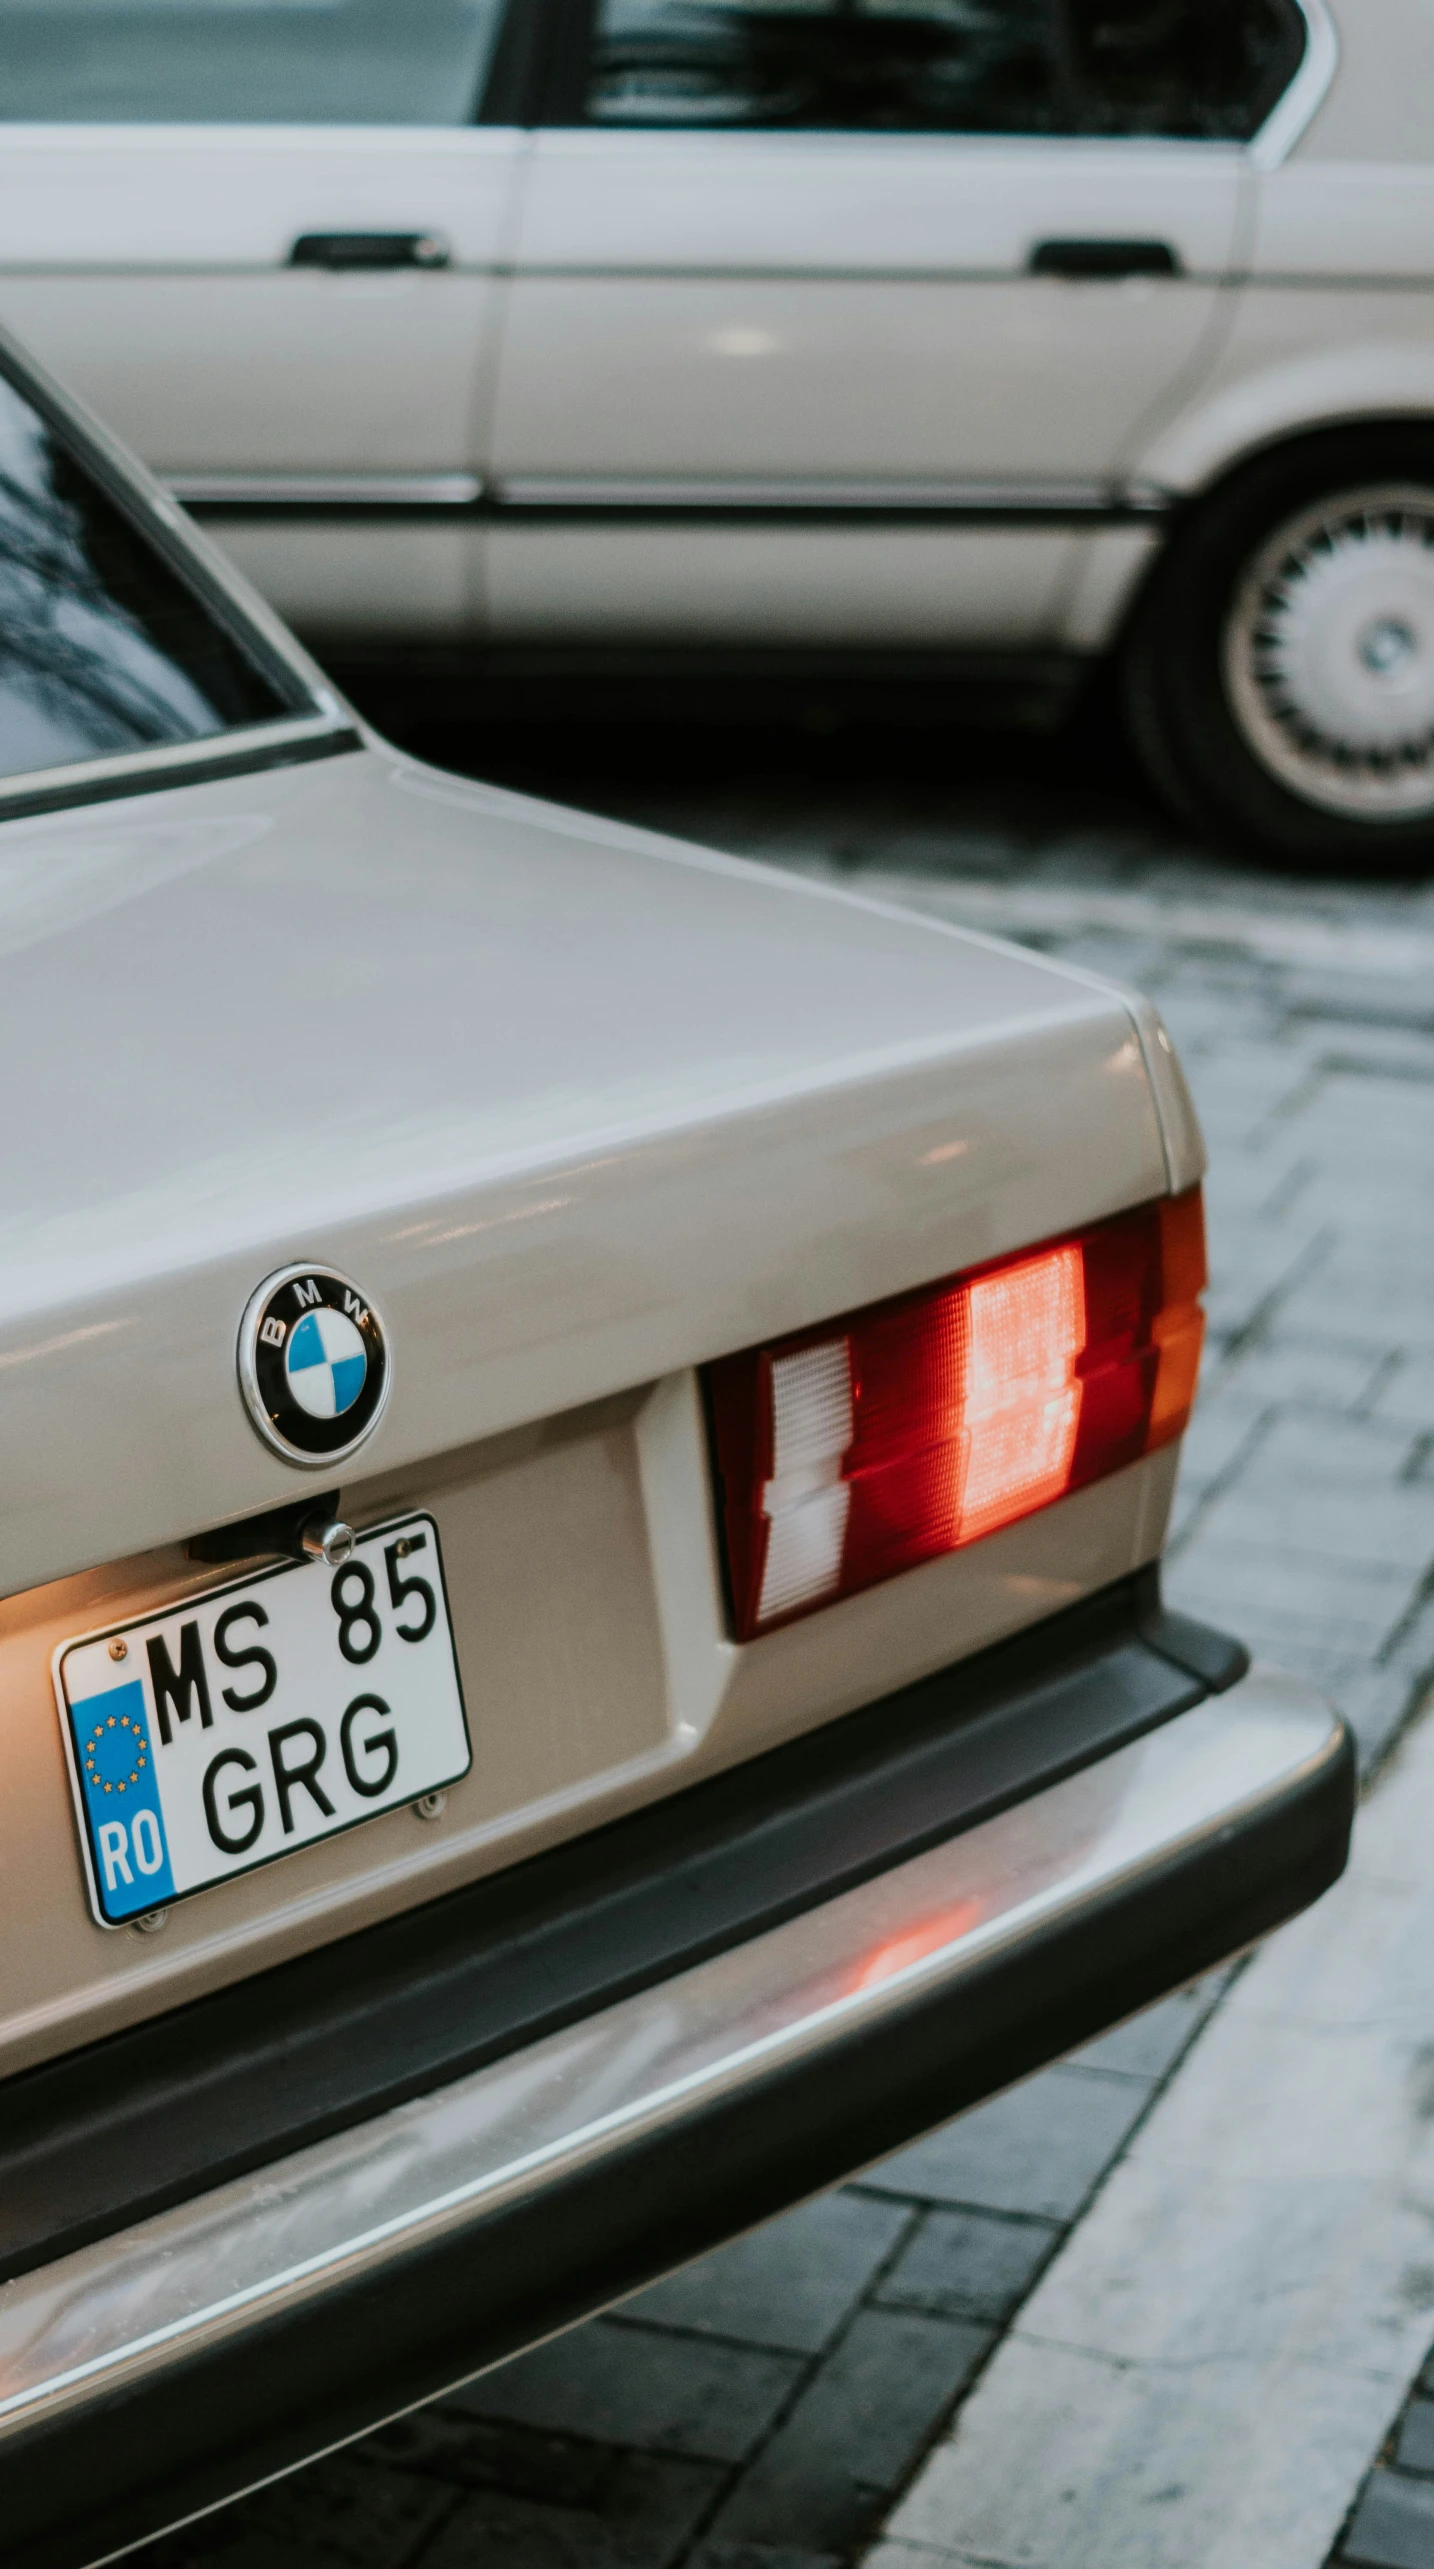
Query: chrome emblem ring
{"type": "Point", "coordinates": [313, 1365]}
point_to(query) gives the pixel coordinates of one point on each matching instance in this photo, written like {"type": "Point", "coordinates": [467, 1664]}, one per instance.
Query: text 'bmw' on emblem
{"type": "Point", "coordinates": [313, 1364]}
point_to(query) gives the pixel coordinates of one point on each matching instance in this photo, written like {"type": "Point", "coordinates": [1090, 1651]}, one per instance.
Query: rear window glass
{"type": "Point", "coordinates": [103, 650]}
{"type": "Point", "coordinates": [1203, 69]}
{"type": "Point", "coordinates": [267, 62]}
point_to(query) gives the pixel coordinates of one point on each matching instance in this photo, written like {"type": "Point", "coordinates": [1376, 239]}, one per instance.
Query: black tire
{"type": "Point", "coordinates": [1196, 624]}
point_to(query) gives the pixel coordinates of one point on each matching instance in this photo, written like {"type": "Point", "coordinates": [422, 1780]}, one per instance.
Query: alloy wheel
{"type": "Point", "coordinates": [1328, 653]}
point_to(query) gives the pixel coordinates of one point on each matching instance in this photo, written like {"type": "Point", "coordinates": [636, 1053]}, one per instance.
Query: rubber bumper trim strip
{"type": "Point", "coordinates": [160, 2370]}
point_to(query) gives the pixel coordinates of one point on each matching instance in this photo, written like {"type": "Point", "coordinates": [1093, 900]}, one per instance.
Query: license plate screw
{"type": "Point", "coordinates": [428, 1805]}
{"type": "Point", "coordinates": [119, 1650]}
{"type": "Point", "coordinates": [150, 1923]}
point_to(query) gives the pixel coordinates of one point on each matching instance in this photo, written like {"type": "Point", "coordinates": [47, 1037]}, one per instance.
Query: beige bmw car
{"type": "Point", "coordinates": [938, 341]}
{"type": "Point", "coordinates": [587, 1434]}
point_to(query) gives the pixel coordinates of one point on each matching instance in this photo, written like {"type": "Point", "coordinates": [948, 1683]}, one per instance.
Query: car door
{"type": "Point", "coordinates": [260, 237]}
{"type": "Point", "coordinates": [853, 309]}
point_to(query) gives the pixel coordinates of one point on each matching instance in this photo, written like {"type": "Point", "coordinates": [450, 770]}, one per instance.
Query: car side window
{"type": "Point", "coordinates": [1209, 69]}
{"type": "Point", "coordinates": [266, 62]}
{"type": "Point", "coordinates": [103, 649]}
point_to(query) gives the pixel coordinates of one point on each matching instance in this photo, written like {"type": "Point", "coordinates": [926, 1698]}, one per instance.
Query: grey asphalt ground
{"type": "Point", "coordinates": [766, 2408]}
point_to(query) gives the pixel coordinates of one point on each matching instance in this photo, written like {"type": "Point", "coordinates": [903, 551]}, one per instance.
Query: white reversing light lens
{"type": "Point", "coordinates": [806, 1502]}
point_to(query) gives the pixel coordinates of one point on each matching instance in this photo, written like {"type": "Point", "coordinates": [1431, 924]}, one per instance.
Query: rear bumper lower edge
{"type": "Point", "coordinates": [159, 2370]}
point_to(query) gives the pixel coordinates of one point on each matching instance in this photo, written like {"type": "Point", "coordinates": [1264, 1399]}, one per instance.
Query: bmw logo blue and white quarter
{"type": "Point", "coordinates": [325, 1364]}
{"type": "Point", "coordinates": [313, 1364]}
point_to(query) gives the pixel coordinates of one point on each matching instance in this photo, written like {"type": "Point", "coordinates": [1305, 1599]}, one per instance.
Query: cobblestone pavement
{"type": "Point", "coordinates": [1392, 2524]}
{"type": "Point", "coordinates": [762, 2409]}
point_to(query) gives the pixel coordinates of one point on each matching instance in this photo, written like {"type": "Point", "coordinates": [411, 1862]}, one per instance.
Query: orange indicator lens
{"type": "Point", "coordinates": [848, 1453]}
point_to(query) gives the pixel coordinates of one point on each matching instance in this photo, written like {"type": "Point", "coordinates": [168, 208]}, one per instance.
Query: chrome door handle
{"type": "Point", "coordinates": [370, 250]}
{"type": "Point", "coordinates": [1104, 259]}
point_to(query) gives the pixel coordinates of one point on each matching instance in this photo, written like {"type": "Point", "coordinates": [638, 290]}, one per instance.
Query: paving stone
{"type": "Point", "coordinates": [1377, 1703]}
{"type": "Point", "coordinates": [855, 2433]}
{"type": "Point", "coordinates": [1406, 1394]}
{"type": "Point", "coordinates": [1320, 1373]}
{"type": "Point", "coordinates": [624, 2384]}
{"type": "Point", "coordinates": [759, 2555]}
{"type": "Point", "coordinates": [1371, 1002]}
{"type": "Point", "coordinates": [1415, 2448]}
{"type": "Point", "coordinates": [338, 2514]}
{"type": "Point", "coordinates": [1365, 1107]}
{"type": "Point", "coordinates": [1377, 1199]}
{"type": "Point", "coordinates": [1147, 2045]}
{"type": "Point", "coordinates": [1325, 1300]}
{"type": "Point", "coordinates": [1393, 2525]}
{"type": "Point", "coordinates": [647, 2516]}
{"type": "Point", "coordinates": [1038, 2149]}
{"type": "Point", "coordinates": [968, 2265]}
{"type": "Point", "coordinates": [1239, 1089]}
{"type": "Point", "coordinates": [1332, 1489]}
{"type": "Point", "coordinates": [1239, 1084]}
{"type": "Point", "coordinates": [1264, 1276]}
{"type": "Point", "coordinates": [1229, 1417]}
{"type": "Point", "coordinates": [894, 2552]}
{"type": "Point", "coordinates": [1375, 1042]}
{"type": "Point", "coordinates": [788, 2285]}
{"type": "Point", "coordinates": [1232, 1573]}
{"type": "Point", "coordinates": [1258, 1185]}
{"type": "Point", "coordinates": [495, 2452]}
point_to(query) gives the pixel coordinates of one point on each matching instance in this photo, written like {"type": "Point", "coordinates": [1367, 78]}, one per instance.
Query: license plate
{"type": "Point", "coordinates": [246, 1723]}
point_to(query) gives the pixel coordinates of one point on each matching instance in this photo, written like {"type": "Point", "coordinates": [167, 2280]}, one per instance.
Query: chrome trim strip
{"type": "Point", "coordinates": [1306, 93]}
{"type": "Point", "coordinates": [325, 490]}
{"type": "Point", "coordinates": [598, 495]}
{"type": "Point", "coordinates": [158, 765]}
{"type": "Point", "coordinates": [616, 491]}
{"type": "Point", "coordinates": [170, 2287]}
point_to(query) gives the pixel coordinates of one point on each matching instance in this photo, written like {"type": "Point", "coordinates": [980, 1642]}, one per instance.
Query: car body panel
{"type": "Point", "coordinates": [1378, 63]}
{"type": "Point", "coordinates": [298, 1016]}
{"type": "Point", "coordinates": [1308, 360]}
{"type": "Point", "coordinates": [692, 304]}
{"type": "Point", "coordinates": [729, 1103]}
{"type": "Point", "coordinates": [779, 585]}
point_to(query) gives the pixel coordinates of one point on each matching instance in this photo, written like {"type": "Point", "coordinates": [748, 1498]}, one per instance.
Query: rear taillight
{"type": "Point", "coordinates": [849, 1452]}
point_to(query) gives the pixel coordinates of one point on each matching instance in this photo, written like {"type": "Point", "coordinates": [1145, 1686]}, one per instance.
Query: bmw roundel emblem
{"type": "Point", "coordinates": [313, 1364]}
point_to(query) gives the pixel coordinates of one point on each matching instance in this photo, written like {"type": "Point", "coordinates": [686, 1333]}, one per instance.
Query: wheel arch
{"type": "Point", "coordinates": [1369, 386]}
{"type": "Point", "coordinates": [1294, 438]}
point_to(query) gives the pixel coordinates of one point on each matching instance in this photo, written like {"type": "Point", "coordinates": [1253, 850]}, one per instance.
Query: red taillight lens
{"type": "Point", "coordinates": [849, 1452]}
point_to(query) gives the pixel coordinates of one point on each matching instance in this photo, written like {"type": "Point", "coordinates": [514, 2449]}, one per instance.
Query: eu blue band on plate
{"type": "Point", "coordinates": [128, 1847]}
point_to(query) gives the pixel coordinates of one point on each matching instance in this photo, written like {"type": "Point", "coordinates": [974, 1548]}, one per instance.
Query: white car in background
{"type": "Point", "coordinates": [587, 1432]}
{"type": "Point", "coordinates": [992, 334]}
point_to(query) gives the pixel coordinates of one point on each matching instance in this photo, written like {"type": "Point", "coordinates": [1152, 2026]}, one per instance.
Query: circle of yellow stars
{"type": "Point", "coordinates": [114, 1721]}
